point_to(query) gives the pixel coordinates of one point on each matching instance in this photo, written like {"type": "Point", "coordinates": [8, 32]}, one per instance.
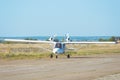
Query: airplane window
{"type": "Point", "coordinates": [58, 45]}
{"type": "Point", "coordinates": [63, 45]}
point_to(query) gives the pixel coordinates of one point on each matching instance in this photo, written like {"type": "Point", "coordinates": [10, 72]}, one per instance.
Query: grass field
{"type": "Point", "coordinates": [37, 51]}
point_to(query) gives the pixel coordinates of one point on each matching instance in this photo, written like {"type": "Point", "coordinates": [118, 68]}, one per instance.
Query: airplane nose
{"type": "Point", "coordinates": [55, 50]}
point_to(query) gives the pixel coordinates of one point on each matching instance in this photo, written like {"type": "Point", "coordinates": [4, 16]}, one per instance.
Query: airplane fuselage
{"type": "Point", "coordinates": [58, 48]}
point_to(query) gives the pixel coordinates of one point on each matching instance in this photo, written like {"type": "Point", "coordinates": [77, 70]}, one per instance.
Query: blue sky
{"type": "Point", "coordinates": [47, 17]}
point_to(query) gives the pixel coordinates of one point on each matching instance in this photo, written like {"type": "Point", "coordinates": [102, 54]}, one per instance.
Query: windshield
{"type": "Point", "coordinates": [58, 45]}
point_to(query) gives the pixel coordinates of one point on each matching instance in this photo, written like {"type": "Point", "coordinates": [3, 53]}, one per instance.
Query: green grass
{"type": "Point", "coordinates": [47, 55]}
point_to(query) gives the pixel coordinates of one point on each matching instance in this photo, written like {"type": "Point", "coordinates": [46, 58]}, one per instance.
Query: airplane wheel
{"type": "Point", "coordinates": [68, 56]}
{"type": "Point", "coordinates": [51, 56]}
{"type": "Point", "coordinates": [56, 56]}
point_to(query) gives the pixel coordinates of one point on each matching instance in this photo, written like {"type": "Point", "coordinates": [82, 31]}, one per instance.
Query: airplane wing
{"type": "Point", "coordinates": [83, 42]}
{"type": "Point", "coordinates": [39, 41]}
{"type": "Point", "coordinates": [27, 41]}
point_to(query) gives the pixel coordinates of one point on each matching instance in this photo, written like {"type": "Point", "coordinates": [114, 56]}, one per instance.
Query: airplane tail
{"type": "Point", "coordinates": [67, 38]}
{"type": "Point", "coordinates": [52, 38]}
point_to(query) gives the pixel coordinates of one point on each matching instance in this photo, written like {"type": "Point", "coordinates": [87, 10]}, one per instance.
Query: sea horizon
{"type": "Point", "coordinates": [73, 38]}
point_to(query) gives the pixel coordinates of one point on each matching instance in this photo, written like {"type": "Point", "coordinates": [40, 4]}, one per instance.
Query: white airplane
{"type": "Point", "coordinates": [59, 47]}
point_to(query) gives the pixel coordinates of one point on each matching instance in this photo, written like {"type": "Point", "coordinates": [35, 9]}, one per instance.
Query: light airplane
{"type": "Point", "coordinates": [59, 47]}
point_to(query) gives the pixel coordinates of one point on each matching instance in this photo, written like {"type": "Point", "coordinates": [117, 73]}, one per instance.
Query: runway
{"type": "Point", "coordinates": [75, 68]}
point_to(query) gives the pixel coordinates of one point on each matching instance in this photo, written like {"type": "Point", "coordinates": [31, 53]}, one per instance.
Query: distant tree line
{"type": "Point", "coordinates": [110, 39]}
{"type": "Point", "coordinates": [30, 39]}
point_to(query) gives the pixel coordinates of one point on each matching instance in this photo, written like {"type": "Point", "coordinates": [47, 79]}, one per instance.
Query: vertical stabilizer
{"type": "Point", "coordinates": [52, 38]}
{"type": "Point", "coordinates": [67, 38]}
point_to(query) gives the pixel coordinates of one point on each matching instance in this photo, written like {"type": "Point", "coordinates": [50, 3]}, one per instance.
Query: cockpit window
{"type": "Point", "coordinates": [58, 45]}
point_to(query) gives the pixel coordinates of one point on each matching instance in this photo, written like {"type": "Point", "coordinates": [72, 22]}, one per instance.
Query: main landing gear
{"type": "Point", "coordinates": [51, 56]}
{"type": "Point", "coordinates": [68, 56]}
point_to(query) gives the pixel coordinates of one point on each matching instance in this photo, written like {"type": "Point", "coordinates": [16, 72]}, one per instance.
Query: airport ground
{"type": "Point", "coordinates": [104, 61]}
{"type": "Point", "coordinates": [76, 68]}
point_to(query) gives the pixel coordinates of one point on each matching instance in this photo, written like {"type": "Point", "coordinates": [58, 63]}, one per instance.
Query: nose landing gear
{"type": "Point", "coordinates": [56, 56]}
{"type": "Point", "coordinates": [68, 56]}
